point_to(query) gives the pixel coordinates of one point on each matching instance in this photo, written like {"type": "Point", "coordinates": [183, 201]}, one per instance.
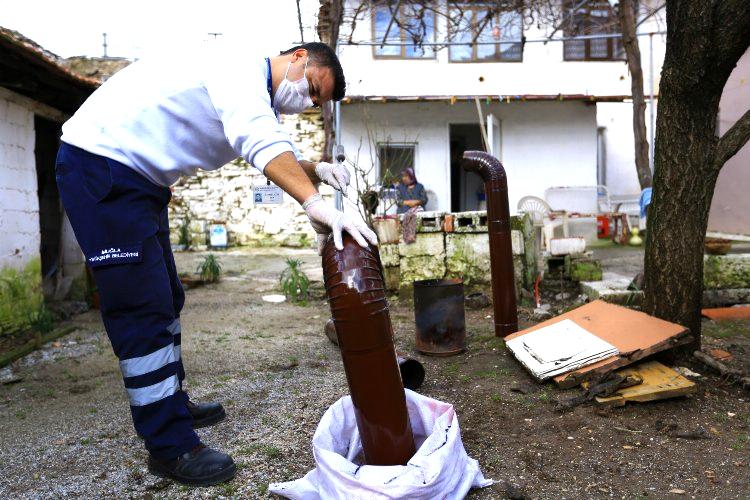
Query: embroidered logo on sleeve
{"type": "Point", "coordinates": [116, 255]}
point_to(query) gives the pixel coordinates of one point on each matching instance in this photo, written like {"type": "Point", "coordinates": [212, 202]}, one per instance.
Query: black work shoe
{"type": "Point", "coordinates": [200, 467]}
{"type": "Point", "coordinates": [206, 414]}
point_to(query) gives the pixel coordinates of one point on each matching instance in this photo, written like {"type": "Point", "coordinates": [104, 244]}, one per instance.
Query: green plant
{"type": "Point", "coordinates": [184, 232]}
{"type": "Point", "coordinates": [294, 282]}
{"type": "Point", "coordinates": [41, 319]}
{"type": "Point", "coordinates": [20, 297]}
{"type": "Point", "coordinates": [210, 269]}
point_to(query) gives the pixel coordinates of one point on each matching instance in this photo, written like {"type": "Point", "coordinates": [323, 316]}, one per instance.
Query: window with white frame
{"type": "Point", "coordinates": [489, 35]}
{"type": "Point", "coordinates": [402, 28]}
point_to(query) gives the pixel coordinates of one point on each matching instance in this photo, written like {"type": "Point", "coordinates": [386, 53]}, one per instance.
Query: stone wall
{"type": "Point", "coordinates": [441, 251]}
{"type": "Point", "coordinates": [723, 272]}
{"type": "Point", "coordinates": [224, 196]}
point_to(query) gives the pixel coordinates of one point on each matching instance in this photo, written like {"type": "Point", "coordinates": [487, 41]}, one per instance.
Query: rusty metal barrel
{"type": "Point", "coordinates": [492, 173]}
{"type": "Point", "coordinates": [439, 316]}
{"type": "Point", "coordinates": [356, 294]}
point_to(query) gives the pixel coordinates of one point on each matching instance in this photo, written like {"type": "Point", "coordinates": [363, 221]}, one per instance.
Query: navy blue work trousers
{"type": "Point", "coordinates": [120, 220]}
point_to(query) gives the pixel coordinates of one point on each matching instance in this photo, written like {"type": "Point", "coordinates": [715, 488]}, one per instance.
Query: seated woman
{"type": "Point", "coordinates": [409, 192]}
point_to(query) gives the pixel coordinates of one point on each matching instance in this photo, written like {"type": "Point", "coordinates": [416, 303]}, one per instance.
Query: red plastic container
{"type": "Point", "coordinates": [602, 226]}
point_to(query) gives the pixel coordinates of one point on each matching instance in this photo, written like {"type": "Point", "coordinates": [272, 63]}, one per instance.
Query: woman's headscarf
{"type": "Point", "coordinates": [409, 172]}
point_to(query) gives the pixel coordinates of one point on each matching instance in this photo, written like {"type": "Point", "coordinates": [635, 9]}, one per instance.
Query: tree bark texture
{"type": "Point", "coordinates": [626, 14]}
{"type": "Point", "coordinates": [705, 39]}
{"type": "Point", "coordinates": [330, 16]}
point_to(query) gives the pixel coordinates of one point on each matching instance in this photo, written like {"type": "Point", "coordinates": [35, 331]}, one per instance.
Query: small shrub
{"type": "Point", "coordinates": [210, 269]}
{"type": "Point", "coordinates": [20, 297]}
{"type": "Point", "coordinates": [41, 320]}
{"type": "Point", "coordinates": [184, 232]}
{"type": "Point", "coordinates": [294, 282]}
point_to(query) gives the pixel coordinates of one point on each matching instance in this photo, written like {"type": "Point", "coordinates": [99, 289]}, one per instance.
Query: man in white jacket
{"type": "Point", "coordinates": [154, 121]}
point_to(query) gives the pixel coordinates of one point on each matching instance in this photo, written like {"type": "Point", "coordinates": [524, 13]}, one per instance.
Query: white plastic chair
{"type": "Point", "coordinates": [545, 220]}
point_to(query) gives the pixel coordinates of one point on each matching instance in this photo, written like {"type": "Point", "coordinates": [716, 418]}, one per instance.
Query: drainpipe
{"type": "Point", "coordinates": [356, 294]}
{"type": "Point", "coordinates": [338, 152]}
{"type": "Point", "coordinates": [338, 148]}
{"type": "Point", "coordinates": [492, 173]}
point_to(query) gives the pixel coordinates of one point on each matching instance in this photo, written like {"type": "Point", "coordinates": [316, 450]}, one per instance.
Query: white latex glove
{"type": "Point", "coordinates": [326, 220]}
{"type": "Point", "coordinates": [335, 175]}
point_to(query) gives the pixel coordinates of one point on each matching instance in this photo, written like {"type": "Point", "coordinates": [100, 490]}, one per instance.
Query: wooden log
{"type": "Point", "coordinates": [731, 373]}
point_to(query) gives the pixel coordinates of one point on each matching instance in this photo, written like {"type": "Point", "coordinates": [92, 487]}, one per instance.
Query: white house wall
{"type": "Point", "coordinates": [19, 203]}
{"type": "Point", "coordinates": [543, 70]}
{"type": "Point", "coordinates": [617, 120]}
{"type": "Point", "coordinates": [544, 144]}
{"type": "Point", "coordinates": [730, 207]}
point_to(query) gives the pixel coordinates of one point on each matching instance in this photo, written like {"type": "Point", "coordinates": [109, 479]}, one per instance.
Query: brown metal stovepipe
{"type": "Point", "coordinates": [412, 371]}
{"type": "Point", "coordinates": [492, 172]}
{"type": "Point", "coordinates": [356, 294]}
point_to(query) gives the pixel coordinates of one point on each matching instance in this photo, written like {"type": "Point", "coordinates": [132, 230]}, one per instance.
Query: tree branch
{"type": "Point", "coordinates": [299, 20]}
{"type": "Point", "coordinates": [565, 17]}
{"type": "Point", "coordinates": [731, 34]}
{"type": "Point", "coordinates": [394, 13]}
{"type": "Point", "coordinates": [732, 141]}
{"type": "Point", "coordinates": [650, 14]}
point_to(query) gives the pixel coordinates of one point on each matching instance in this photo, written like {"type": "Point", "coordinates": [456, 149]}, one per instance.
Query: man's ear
{"type": "Point", "coordinates": [298, 54]}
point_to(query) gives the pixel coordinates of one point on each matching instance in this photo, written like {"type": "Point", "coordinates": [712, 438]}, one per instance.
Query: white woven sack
{"type": "Point", "coordinates": [440, 468]}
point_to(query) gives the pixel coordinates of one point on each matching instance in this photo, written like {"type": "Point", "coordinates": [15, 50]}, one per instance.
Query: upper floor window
{"type": "Point", "coordinates": [592, 17]}
{"type": "Point", "coordinates": [410, 26]}
{"type": "Point", "coordinates": [489, 35]}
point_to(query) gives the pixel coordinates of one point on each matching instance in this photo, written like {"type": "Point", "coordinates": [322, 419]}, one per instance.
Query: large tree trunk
{"type": "Point", "coordinates": [626, 15]}
{"type": "Point", "coordinates": [704, 42]}
{"type": "Point", "coordinates": [678, 215]}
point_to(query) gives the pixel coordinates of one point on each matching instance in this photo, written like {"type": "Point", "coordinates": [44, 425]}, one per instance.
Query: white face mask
{"type": "Point", "coordinates": [293, 97]}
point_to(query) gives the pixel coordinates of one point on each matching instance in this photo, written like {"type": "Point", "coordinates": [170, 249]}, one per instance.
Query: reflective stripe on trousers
{"type": "Point", "coordinates": [176, 329]}
{"type": "Point", "coordinates": [143, 365]}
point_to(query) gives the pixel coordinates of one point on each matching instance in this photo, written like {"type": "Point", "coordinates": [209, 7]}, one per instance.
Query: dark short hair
{"type": "Point", "coordinates": [321, 54]}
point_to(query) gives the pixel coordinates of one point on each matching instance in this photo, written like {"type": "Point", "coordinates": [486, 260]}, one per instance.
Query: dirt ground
{"type": "Point", "coordinates": [65, 428]}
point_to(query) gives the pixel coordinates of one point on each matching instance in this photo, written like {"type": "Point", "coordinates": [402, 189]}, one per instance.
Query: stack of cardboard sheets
{"type": "Point", "coordinates": [574, 357]}
{"type": "Point", "coordinates": [559, 348]}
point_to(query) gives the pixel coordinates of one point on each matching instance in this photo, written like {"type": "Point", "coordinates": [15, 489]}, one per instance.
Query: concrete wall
{"type": "Point", "coordinates": [730, 208]}
{"type": "Point", "coordinates": [19, 203]}
{"type": "Point", "coordinates": [619, 152]}
{"type": "Point", "coordinates": [544, 144]}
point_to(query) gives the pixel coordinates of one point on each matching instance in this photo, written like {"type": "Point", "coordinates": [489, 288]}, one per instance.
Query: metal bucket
{"type": "Point", "coordinates": [439, 315]}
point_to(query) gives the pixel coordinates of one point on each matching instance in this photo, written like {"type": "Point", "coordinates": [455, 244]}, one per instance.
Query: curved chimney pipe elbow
{"type": "Point", "coordinates": [492, 172]}
{"type": "Point", "coordinates": [487, 166]}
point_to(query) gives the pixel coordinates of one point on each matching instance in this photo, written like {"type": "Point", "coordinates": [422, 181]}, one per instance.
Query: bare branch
{"type": "Point", "coordinates": [352, 22]}
{"type": "Point", "coordinates": [732, 23]}
{"type": "Point", "coordinates": [732, 141]}
{"type": "Point", "coordinates": [650, 14]}
{"type": "Point", "coordinates": [390, 23]}
{"type": "Point", "coordinates": [565, 18]}
{"type": "Point", "coordinates": [487, 18]}
{"type": "Point", "coordinates": [299, 20]}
